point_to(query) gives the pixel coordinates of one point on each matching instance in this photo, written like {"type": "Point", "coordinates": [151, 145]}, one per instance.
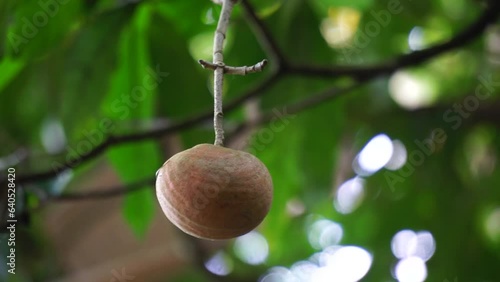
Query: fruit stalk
{"type": "Point", "coordinates": [218, 60]}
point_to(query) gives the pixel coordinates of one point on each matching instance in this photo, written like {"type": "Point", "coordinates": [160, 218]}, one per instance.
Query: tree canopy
{"type": "Point", "coordinates": [378, 121]}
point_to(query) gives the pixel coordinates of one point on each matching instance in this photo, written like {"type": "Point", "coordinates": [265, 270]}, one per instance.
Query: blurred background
{"type": "Point", "coordinates": [383, 148]}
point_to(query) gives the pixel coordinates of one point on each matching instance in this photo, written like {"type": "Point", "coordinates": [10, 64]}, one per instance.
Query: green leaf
{"type": "Point", "coordinates": [138, 210]}
{"type": "Point", "coordinates": [317, 165]}
{"type": "Point", "coordinates": [301, 22]}
{"type": "Point", "coordinates": [131, 97]}
{"type": "Point", "coordinates": [26, 85]}
{"type": "Point", "coordinates": [185, 90]}
{"type": "Point", "coordinates": [280, 155]}
{"type": "Point", "coordinates": [87, 72]}
{"type": "Point", "coordinates": [188, 18]}
{"type": "Point", "coordinates": [9, 67]}
{"type": "Point", "coordinates": [38, 25]}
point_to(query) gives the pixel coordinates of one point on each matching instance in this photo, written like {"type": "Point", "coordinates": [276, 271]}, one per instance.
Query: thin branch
{"type": "Point", "coordinates": [104, 193]}
{"type": "Point", "coordinates": [294, 108]}
{"type": "Point", "coordinates": [489, 113]}
{"type": "Point", "coordinates": [470, 33]}
{"type": "Point", "coordinates": [244, 70]}
{"type": "Point", "coordinates": [95, 194]}
{"type": "Point", "coordinates": [265, 37]}
{"type": "Point", "coordinates": [146, 135]}
{"type": "Point", "coordinates": [297, 107]}
{"type": "Point", "coordinates": [324, 96]}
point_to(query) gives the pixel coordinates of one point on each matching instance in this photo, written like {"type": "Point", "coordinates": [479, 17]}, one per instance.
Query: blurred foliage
{"type": "Point", "coordinates": [73, 72]}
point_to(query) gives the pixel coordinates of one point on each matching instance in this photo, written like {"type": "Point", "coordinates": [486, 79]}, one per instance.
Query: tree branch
{"type": "Point", "coordinates": [473, 31]}
{"type": "Point", "coordinates": [305, 104]}
{"type": "Point", "coordinates": [297, 107]}
{"type": "Point", "coordinates": [104, 193]}
{"type": "Point", "coordinates": [487, 113]}
{"type": "Point", "coordinates": [147, 135]}
{"type": "Point", "coordinates": [264, 36]}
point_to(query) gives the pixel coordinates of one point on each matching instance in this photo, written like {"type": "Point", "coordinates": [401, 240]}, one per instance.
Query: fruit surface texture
{"type": "Point", "coordinates": [213, 192]}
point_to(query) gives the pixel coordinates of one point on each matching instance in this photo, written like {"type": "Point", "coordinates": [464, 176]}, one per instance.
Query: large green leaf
{"type": "Point", "coordinates": [87, 71]}
{"type": "Point", "coordinates": [131, 99]}
{"type": "Point", "coordinates": [318, 165]}
{"type": "Point", "coordinates": [24, 92]}
{"type": "Point", "coordinates": [189, 17]}
{"type": "Point", "coordinates": [278, 150]}
{"type": "Point", "coordinates": [38, 25]}
{"type": "Point", "coordinates": [133, 163]}
{"type": "Point", "coordinates": [65, 85]}
{"type": "Point", "coordinates": [185, 90]}
{"type": "Point", "coordinates": [298, 20]}
{"type": "Point", "coordinates": [10, 68]}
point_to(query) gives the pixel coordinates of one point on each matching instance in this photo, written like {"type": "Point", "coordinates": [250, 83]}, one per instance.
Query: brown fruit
{"type": "Point", "coordinates": [212, 192]}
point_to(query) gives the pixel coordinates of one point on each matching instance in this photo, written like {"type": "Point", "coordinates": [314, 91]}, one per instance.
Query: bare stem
{"type": "Point", "coordinates": [218, 60]}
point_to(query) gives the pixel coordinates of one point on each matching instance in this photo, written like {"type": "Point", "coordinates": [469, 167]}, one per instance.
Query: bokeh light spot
{"type": "Point", "coordinates": [349, 195]}
{"type": "Point", "coordinates": [416, 38]}
{"type": "Point", "coordinates": [295, 207]}
{"type": "Point", "coordinates": [53, 136]}
{"type": "Point", "coordinates": [426, 246]}
{"type": "Point", "coordinates": [374, 156]}
{"type": "Point", "coordinates": [340, 26]}
{"type": "Point", "coordinates": [251, 248]}
{"type": "Point", "coordinates": [343, 264]}
{"type": "Point", "coordinates": [411, 269]}
{"type": "Point", "coordinates": [219, 264]}
{"type": "Point", "coordinates": [407, 243]}
{"type": "Point", "coordinates": [410, 92]}
{"type": "Point", "coordinates": [399, 156]}
{"type": "Point", "coordinates": [402, 244]}
{"type": "Point", "coordinates": [279, 274]}
{"type": "Point", "coordinates": [304, 270]}
{"type": "Point", "coordinates": [492, 225]}
{"type": "Point", "coordinates": [324, 233]}
{"type": "Point", "coordinates": [200, 45]}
